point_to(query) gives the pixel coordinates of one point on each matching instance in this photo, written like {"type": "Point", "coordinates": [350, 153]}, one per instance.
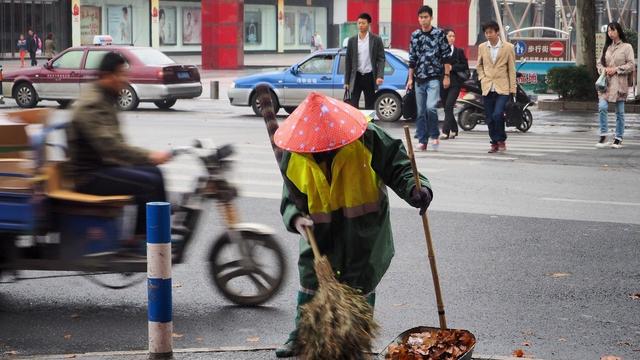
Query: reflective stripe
{"type": "Point", "coordinates": [354, 187]}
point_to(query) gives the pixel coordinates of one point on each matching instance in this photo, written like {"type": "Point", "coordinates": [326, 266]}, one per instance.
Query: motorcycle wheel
{"type": "Point", "coordinates": [247, 280]}
{"type": "Point", "coordinates": [116, 281]}
{"type": "Point", "coordinates": [527, 121]}
{"type": "Point", "coordinates": [464, 118]}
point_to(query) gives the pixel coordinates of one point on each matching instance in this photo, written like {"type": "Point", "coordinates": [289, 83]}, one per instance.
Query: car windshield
{"type": "Point", "coordinates": [400, 54]}
{"type": "Point", "coordinates": [152, 57]}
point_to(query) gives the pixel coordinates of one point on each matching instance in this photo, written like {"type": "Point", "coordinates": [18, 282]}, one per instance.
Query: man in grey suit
{"type": "Point", "coordinates": [364, 65]}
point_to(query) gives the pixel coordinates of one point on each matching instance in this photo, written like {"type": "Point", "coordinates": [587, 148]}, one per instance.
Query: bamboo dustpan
{"type": "Point", "coordinates": [402, 338]}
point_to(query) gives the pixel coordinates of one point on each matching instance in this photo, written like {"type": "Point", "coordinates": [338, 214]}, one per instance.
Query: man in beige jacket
{"type": "Point", "coordinates": [497, 74]}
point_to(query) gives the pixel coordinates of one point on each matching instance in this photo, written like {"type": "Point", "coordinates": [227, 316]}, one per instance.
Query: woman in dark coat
{"type": "Point", "coordinates": [449, 96]}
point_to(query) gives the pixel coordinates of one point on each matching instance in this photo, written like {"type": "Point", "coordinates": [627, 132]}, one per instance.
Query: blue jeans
{"type": "Point", "coordinates": [494, 111]}
{"type": "Point", "coordinates": [603, 108]}
{"type": "Point", "coordinates": [427, 96]}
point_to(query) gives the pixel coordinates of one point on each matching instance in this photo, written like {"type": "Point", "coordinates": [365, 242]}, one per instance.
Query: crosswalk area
{"type": "Point", "coordinates": [255, 173]}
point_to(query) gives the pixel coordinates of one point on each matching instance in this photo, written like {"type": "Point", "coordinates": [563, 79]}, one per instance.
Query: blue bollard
{"type": "Point", "coordinates": [159, 279]}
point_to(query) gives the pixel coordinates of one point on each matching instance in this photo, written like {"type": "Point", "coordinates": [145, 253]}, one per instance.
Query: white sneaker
{"type": "Point", "coordinates": [435, 144]}
{"type": "Point", "coordinates": [602, 143]}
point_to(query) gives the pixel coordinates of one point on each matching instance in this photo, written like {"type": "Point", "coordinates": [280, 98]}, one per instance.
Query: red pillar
{"type": "Point", "coordinates": [454, 14]}
{"type": "Point", "coordinates": [404, 21]}
{"type": "Point", "coordinates": [222, 41]}
{"type": "Point", "coordinates": [357, 7]}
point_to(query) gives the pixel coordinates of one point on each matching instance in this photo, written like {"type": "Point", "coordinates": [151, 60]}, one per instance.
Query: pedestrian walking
{"type": "Point", "coordinates": [364, 64]}
{"type": "Point", "coordinates": [459, 74]}
{"type": "Point", "coordinates": [22, 48]}
{"type": "Point", "coordinates": [617, 63]}
{"type": "Point", "coordinates": [316, 42]}
{"type": "Point", "coordinates": [325, 146]}
{"type": "Point", "coordinates": [49, 47]}
{"type": "Point", "coordinates": [429, 56]}
{"type": "Point", "coordinates": [32, 46]}
{"type": "Point", "coordinates": [496, 69]}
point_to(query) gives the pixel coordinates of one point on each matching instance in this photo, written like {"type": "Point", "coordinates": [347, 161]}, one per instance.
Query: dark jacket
{"type": "Point", "coordinates": [458, 63]}
{"type": "Point", "coordinates": [376, 54]}
{"type": "Point", "coordinates": [94, 138]}
{"type": "Point", "coordinates": [32, 44]}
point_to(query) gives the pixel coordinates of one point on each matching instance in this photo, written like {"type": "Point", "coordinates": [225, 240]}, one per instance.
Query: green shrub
{"type": "Point", "coordinates": [572, 82]}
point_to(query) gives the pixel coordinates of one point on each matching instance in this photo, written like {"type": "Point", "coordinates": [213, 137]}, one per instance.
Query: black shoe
{"type": "Point", "coordinates": [289, 349]}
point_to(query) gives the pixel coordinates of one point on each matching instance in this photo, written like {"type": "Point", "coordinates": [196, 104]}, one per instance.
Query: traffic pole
{"type": "Point", "coordinates": [159, 280]}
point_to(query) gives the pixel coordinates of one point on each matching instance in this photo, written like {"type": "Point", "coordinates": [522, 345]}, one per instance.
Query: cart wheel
{"type": "Point", "coordinates": [116, 281]}
{"type": "Point", "coordinates": [527, 120]}
{"type": "Point", "coordinates": [249, 279]}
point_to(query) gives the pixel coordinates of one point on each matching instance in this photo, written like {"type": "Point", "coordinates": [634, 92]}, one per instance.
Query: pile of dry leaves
{"type": "Point", "coordinates": [432, 345]}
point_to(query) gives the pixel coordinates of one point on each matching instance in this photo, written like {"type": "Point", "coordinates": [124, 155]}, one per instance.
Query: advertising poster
{"type": "Point", "coordinates": [305, 32]}
{"type": "Point", "coordinates": [289, 28]}
{"type": "Point", "coordinates": [119, 24]}
{"type": "Point", "coordinates": [191, 29]}
{"type": "Point", "coordinates": [167, 24]}
{"type": "Point", "coordinates": [90, 23]}
{"type": "Point", "coordinates": [253, 27]}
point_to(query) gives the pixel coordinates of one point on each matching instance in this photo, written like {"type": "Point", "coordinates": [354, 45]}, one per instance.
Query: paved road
{"type": "Point", "coordinates": [537, 246]}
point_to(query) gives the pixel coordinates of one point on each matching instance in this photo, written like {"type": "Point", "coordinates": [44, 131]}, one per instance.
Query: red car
{"type": "Point", "coordinates": [153, 77]}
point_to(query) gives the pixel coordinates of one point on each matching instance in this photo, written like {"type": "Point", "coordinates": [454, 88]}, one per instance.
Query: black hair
{"type": "Point", "coordinates": [608, 41]}
{"type": "Point", "coordinates": [110, 63]}
{"type": "Point", "coordinates": [125, 10]}
{"type": "Point", "coordinates": [491, 24]}
{"type": "Point", "coordinates": [365, 16]}
{"type": "Point", "coordinates": [161, 13]}
{"type": "Point", "coordinates": [425, 9]}
{"type": "Point", "coordinates": [447, 31]}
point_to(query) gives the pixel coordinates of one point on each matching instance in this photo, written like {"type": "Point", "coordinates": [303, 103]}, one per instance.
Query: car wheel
{"type": "Point", "coordinates": [165, 104]}
{"type": "Point", "coordinates": [464, 118]}
{"type": "Point", "coordinates": [290, 109]}
{"type": "Point", "coordinates": [64, 103]}
{"type": "Point", "coordinates": [388, 107]}
{"type": "Point", "coordinates": [25, 95]}
{"type": "Point", "coordinates": [255, 103]}
{"type": "Point", "coordinates": [128, 99]}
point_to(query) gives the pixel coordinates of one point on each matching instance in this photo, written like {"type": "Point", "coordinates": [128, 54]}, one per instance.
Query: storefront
{"type": "Point", "coordinates": [126, 21]}
{"type": "Point", "coordinates": [42, 16]}
{"type": "Point", "coordinates": [180, 26]}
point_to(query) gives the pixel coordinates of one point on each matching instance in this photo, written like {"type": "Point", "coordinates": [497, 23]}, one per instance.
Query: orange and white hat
{"type": "Point", "coordinates": [319, 124]}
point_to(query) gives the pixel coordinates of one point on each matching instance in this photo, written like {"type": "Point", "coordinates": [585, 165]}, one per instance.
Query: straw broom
{"type": "Point", "coordinates": [338, 323]}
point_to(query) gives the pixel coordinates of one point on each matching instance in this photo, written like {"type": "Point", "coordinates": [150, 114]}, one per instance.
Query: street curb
{"type": "Point", "coordinates": [223, 349]}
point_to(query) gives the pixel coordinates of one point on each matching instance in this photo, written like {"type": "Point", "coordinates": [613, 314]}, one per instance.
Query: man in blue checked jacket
{"type": "Point", "coordinates": [429, 56]}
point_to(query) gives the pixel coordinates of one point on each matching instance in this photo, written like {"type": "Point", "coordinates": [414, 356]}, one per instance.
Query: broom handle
{"type": "Point", "coordinates": [427, 235]}
{"type": "Point", "coordinates": [312, 241]}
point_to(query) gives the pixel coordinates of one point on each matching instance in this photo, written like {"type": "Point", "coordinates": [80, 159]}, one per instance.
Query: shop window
{"type": "Point", "coordinates": [70, 60]}
{"type": "Point", "coordinates": [317, 65]}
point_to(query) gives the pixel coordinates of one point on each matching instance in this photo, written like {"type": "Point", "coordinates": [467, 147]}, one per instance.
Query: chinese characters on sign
{"type": "Point", "coordinates": [541, 49]}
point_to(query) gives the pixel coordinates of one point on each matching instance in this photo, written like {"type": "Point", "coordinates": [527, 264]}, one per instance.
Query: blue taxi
{"type": "Point", "coordinates": [323, 72]}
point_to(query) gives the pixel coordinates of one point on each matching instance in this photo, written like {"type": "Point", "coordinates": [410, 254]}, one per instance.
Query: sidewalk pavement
{"type": "Point", "coordinates": [205, 353]}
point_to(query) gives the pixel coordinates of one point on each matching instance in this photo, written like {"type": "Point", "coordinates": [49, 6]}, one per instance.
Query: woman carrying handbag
{"type": "Point", "coordinates": [459, 74]}
{"type": "Point", "coordinates": [617, 63]}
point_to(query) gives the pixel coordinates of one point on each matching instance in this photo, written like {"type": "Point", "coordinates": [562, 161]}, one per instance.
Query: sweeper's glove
{"type": "Point", "coordinates": [302, 222]}
{"type": "Point", "coordinates": [421, 198]}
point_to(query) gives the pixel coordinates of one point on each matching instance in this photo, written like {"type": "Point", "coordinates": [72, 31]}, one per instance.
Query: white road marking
{"type": "Point", "coordinates": [593, 202]}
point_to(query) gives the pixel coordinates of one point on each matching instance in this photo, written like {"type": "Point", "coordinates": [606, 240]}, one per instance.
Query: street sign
{"type": "Point", "coordinates": [556, 48]}
{"type": "Point", "coordinates": [520, 48]}
{"type": "Point", "coordinates": [540, 49]}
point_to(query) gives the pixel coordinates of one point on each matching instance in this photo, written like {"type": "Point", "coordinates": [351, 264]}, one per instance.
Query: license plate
{"type": "Point", "coordinates": [183, 75]}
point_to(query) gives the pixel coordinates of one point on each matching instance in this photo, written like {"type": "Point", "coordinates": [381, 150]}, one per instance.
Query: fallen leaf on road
{"type": "Point", "coordinates": [67, 336]}
{"type": "Point", "coordinates": [176, 285]}
{"type": "Point", "coordinates": [253, 339]}
{"type": "Point", "coordinates": [528, 333]}
{"type": "Point", "coordinates": [12, 352]}
{"type": "Point", "coordinates": [635, 296]}
{"type": "Point", "coordinates": [562, 340]}
{"type": "Point", "coordinates": [400, 305]}
{"type": "Point", "coordinates": [556, 275]}
{"type": "Point", "coordinates": [526, 344]}
{"type": "Point", "coordinates": [623, 343]}
{"type": "Point", "coordinates": [199, 339]}
{"type": "Point", "coordinates": [177, 336]}
{"type": "Point", "coordinates": [70, 356]}
{"type": "Point", "coordinates": [75, 316]}
{"type": "Point", "coordinates": [610, 357]}
{"type": "Point", "coordinates": [518, 353]}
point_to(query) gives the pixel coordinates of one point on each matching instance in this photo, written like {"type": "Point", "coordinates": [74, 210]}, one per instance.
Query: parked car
{"type": "Point", "coordinates": [153, 77]}
{"type": "Point", "coordinates": [323, 71]}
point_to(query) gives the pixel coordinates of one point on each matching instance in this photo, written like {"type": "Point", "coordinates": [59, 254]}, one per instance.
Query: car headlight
{"type": "Point", "coordinates": [233, 85]}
